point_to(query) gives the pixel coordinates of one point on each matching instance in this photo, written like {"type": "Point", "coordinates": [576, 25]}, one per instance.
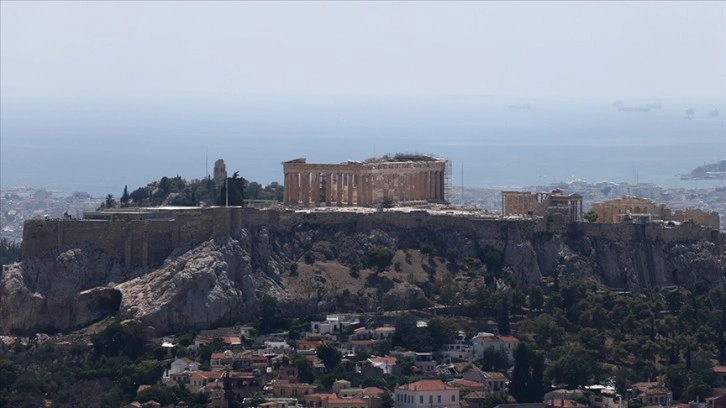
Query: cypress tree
{"type": "Point", "coordinates": [520, 385]}
{"type": "Point", "coordinates": [503, 319]}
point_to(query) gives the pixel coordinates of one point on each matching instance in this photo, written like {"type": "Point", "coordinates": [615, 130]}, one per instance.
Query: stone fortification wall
{"type": "Point", "coordinates": [149, 242]}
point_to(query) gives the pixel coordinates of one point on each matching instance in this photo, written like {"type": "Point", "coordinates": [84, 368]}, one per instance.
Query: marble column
{"type": "Point", "coordinates": [339, 190]}
{"type": "Point", "coordinates": [426, 185]}
{"type": "Point", "coordinates": [315, 188]}
{"type": "Point", "coordinates": [293, 188]}
{"type": "Point", "coordinates": [328, 188]}
{"type": "Point", "coordinates": [349, 179]}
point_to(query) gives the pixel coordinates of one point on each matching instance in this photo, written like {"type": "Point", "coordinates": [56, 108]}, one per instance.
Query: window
{"type": "Point", "coordinates": [439, 398]}
{"type": "Point", "coordinates": [431, 399]}
{"type": "Point", "coordinates": [453, 397]}
{"type": "Point", "coordinates": [420, 399]}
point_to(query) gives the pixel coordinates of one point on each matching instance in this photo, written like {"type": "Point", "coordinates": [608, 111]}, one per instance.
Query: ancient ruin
{"type": "Point", "coordinates": [516, 203]}
{"type": "Point", "coordinates": [642, 210]}
{"type": "Point", "coordinates": [387, 179]}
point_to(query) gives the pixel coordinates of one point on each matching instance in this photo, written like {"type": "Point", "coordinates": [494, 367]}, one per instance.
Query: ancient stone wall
{"type": "Point", "coordinates": [617, 210]}
{"type": "Point", "coordinates": [518, 203]}
{"type": "Point", "coordinates": [149, 242]}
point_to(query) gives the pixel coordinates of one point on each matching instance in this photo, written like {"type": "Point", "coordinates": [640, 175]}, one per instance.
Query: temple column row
{"type": "Point", "coordinates": [325, 187]}
{"type": "Point", "coordinates": [358, 188]}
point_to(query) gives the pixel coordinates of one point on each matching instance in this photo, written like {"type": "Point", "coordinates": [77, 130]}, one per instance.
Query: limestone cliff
{"type": "Point", "coordinates": [312, 265]}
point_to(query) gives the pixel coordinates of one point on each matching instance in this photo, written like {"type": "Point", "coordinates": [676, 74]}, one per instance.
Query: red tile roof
{"type": "Point", "coordinates": [720, 369]}
{"type": "Point", "coordinates": [426, 385]}
{"type": "Point", "coordinates": [347, 401]}
{"type": "Point", "coordinates": [383, 360]}
{"type": "Point", "coordinates": [462, 383]}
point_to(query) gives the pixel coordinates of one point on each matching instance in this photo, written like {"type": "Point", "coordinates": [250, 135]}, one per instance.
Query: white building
{"type": "Point", "coordinates": [482, 341]}
{"type": "Point", "coordinates": [426, 394]}
{"type": "Point", "coordinates": [458, 352]}
{"type": "Point", "coordinates": [334, 324]}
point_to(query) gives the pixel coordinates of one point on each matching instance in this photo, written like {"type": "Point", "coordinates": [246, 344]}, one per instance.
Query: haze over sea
{"type": "Point", "coordinates": [125, 142]}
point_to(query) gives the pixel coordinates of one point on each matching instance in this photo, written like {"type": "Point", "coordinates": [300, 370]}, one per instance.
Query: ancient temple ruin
{"type": "Point", "coordinates": [516, 203]}
{"type": "Point", "coordinates": [391, 179]}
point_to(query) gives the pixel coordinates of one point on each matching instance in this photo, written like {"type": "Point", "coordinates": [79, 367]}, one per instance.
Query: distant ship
{"type": "Point", "coordinates": [520, 106]}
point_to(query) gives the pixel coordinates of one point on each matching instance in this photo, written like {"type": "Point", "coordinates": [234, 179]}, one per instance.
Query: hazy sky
{"type": "Point", "coordinates": [549, 49]}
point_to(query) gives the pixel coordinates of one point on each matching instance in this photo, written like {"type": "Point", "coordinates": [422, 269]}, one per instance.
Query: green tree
{"type": "Point", "coordinates": [329, 355]}
{"type": "Point", "coordinates": [233, 191]}
{"type": "Point", "coordinates": [590, 216]}
{"type": "Point", "coordinates": [269, 311]}
{"type": "Point", "coordinates": [519, 386]}
{"type": "Point", "coordinates": [387, 400]}
{"type": "Point", "coordinates": [535, 298]}
{"type": "Point", "coordinates": [503, 317]}
{"type": "Point", "coordinates": [379, 257]}
{"type": "Point", "coordinates": [125, 196]}
{"type": "Point", "coordinates": [494, 360]}
{"type": "Point", "coordinates": [575, 368]}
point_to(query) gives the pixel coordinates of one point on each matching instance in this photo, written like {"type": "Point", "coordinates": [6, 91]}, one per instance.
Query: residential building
{"type": "Point", "coordinates": [426, 394]}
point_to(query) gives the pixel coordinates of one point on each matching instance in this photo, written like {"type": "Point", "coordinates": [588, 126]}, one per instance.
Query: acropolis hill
{"type": "Point", "coordinates": [176, 268]}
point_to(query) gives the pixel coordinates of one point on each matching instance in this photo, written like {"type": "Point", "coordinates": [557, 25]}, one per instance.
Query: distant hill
{"type": "Point", "coordinates": [713, 171]}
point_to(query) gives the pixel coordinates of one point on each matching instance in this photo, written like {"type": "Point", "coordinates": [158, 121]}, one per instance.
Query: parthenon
{"type": "Point", "coordinates": [353, 183]}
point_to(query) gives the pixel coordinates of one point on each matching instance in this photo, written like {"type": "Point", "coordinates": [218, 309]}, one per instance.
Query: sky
{"type": "Point", "coordinates": [144, 49]}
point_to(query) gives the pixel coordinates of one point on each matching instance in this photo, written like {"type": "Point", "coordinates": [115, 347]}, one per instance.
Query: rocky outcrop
{"type": "Point", "coordinates": [210, 285]}
{"type": "Point", "coordinates": [70, 287]}
{"type": "Point", "coordinates": [316, 266]}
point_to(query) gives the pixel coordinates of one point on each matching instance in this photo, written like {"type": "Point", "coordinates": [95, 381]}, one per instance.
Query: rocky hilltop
{"type": "Point", "coordinates": [317, 262]}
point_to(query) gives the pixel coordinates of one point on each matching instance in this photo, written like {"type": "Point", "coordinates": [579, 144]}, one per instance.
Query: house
{"type": "Point", "coordinates": [215, 390]}
{"type": "Point", "coordinates": [345, 403]}
{"type": "Point", "coordinates": [494, 381]}
{"type": "Point", "coordinates": [563, 403]}
{"type": "Point", "coordinates": [426, 394]}
{"type": "Point", "coordinates": [287, 373]}
{"type": "Point", "coordinates": [482, 341]}
{"type": "Point", "coordinates": [219, 360]}
{"type": "Point", "coordinates": [718, 401]}
{"type": "Point", "coordinates": [199, 379]}
{"type": "Point", "coordinates": [340, 385]}
{"type": "Point", "coordinates": [424, 363]}
{"type": "Point", "coordinates": [283, 389]}
{"type": "Point", "coordinates": [181, 365]}
{"type": "Point", "coordinates": [334, 324]}
{"type": "Point", "coordinates": [363, 346]}
{"type": "Point", "coordinates": [652, 394]}
{"type": "Point", "coordinates": [467, 386]}
{"type": "Point", "coordinates": [377, 366]}
{"type": "Point", "coordinates": [374, 396]}
{"type": "Point", "coordinates": [233, 342]}
{"type": "Point", "coordinates": [458, 352]}
{"type": "Point", "coordinates": [384, 333]}
{"type": "Point", "coordinates": [720, 374]}
{"type": "Point", "coordinates": [315, 400]}
{"type": "Point", "coordinates": [280, 403]}
{"type": "Point", "coordinates": [277, 347]}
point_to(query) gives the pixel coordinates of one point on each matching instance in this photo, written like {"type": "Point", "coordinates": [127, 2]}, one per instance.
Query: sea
{"type": "Point", "coordinates": [98, 145]}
